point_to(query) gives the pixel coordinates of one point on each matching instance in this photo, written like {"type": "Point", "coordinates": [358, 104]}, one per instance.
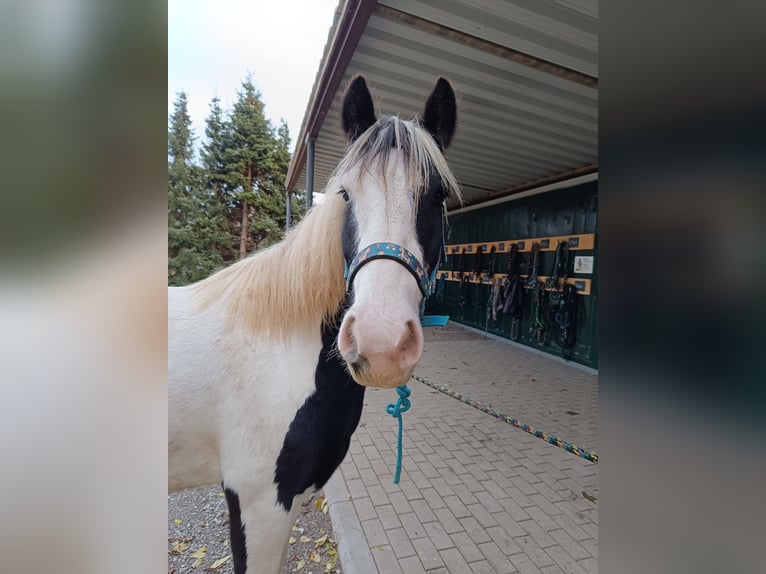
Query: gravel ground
{"type": "Point", "coordinates": [198, 535]}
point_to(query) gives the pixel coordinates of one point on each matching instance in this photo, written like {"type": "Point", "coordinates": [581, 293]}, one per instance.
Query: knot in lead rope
{"type": "Point", "coordinates": [402, 405]}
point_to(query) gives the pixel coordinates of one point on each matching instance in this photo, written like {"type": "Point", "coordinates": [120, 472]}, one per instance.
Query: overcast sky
{"type": "Point", "coordinates": [213, 44]}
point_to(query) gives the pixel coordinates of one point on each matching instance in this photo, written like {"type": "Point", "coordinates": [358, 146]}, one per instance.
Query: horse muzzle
{"type": "Point", "coordinates": [380, 352]}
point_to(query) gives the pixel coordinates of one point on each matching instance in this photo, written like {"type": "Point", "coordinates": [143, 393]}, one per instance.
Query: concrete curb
{"type": "Point", "coordinates": [353, 550]}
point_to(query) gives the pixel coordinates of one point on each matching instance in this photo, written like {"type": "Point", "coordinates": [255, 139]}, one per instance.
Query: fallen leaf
{"type": "Point", "coordinates": [221, 494]}
{"type": "Point", "coordinates": [321, 540]}
{"type": "Point", "coordinates": [291, 540]}
{"type": "Point", "coordinates": [319, 502]}
{"type": "Point", "coordinates": [199, 554]}
{"type": "Point", "coordinates": [296, 529]}
{"type": "Point", "coordinates": [300, 565]}
{"type": "Point", "coordinates": [325, 509]}
{"type": "Point", "coordinates": [178, 521]}
{"type": "Point", "coordinates": [220, 562]}
{"type": "Point", "coordinates": [179, 548]}
{"type": "Point", "coordinates": [332, 552]}
{"type": "Point", "coordinates": [305, 539]}
{"type": "Point", "coordinates": [314, 557]}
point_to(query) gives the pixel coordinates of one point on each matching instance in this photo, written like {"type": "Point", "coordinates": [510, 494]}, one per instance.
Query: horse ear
{"type": "Point", "coordinates": [358, 110]}
{"type": "Point", "coordinates": [440, 115]}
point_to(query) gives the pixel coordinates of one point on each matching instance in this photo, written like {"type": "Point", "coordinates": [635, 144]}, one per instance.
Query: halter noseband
{"type": "Point", "coordinates": [396, 253]}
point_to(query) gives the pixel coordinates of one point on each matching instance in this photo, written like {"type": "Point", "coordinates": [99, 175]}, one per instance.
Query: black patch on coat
{"type": "Point", "coordinates": [237, 530]}
{"type": "Point", "coordinates": [319, 435]}
{"type": "Point", "coordinates": [430, 221]}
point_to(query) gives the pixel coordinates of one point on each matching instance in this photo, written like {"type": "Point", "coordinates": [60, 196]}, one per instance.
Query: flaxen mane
{"type": "Point", "coordinates": [299, 282]}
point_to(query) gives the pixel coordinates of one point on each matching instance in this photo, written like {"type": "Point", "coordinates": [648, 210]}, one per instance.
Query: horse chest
{"type": "Point", "coordinates": [320, 432]}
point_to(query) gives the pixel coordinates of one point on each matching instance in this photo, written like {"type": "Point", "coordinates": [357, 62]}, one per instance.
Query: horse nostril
{"type": "Point", "coordinates": [347, 341]}
{"type": "Point", "coordinates": [411, 344]}
{"type": "Point", "coordinates": [407, 338]}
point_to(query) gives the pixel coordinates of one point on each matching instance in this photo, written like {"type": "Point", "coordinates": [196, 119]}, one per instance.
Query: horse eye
{"type": "Point", "coordinates": [344, 193]}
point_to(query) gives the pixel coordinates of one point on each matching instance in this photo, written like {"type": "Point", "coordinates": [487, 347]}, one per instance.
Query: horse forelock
{"type": "Point", "coordinates": [420, 154]}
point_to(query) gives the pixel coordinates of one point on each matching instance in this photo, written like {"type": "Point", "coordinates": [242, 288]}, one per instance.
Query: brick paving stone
{"type": "Point", "coordinates": [441, 485]}
{"type": "Point", "coordinates": [503, 540]}
{"type": "Point", "coordinates": [427, 553]}
{"type": "Point", "coordinates": [456, 506]}
{"type": "Point", "coordinates": [399, 502]}
{"type": "Point", "coordinates": [364, 508]}
{"type": "Point", "coordinates": [496, 557]}
{"type": "Point", "coordinates": [518, 496]}
{"type": "Point", "coordinates": [373, 531]}
{"type": "Point", "coordinates": [591, 546]}
{"type": "Point", "coordinates": [465, 495]}
{"type": "Point", "coordinates": [590, 565]}
{"type": "Point", "coordinates": [400, 542]}
{"type": "Point", "coordinates": [454, 561]}
{"type": "Point", "coordinates": [514, 510]}
{"type": "Point", "coordinates": [448, 520]}
{"type": "Point", "coordinates": [433, 498]}
{"type": "Point", "coordinates": [555, 569]}
{"type": "Point", "coordinates": [411, 565]}
{"type": "Point", "coordinates": [356, 488]}
{"type": "Point", "coordinates": [423, 512]}
{"type": "Point", "coordinates": [534, 552]}
{"type": "Point", "coordinates": [412, 525]}
{"type": "Point", "coordinates": [497, 492]}
{"type": "Point", "coordinates": [386, 560]}
{"type": "Point", "coordinates": [482, 567]}
{"type": "Point", "coordinates": [377, 495]}
{"type": "Point", "coordinates": [543, 519]}
{"type": "Point", "coordinates": [489, 502]}
{"type": "Point", "coordinates": [388, 517]}
{"type": "Point", "coordinates": [509, 524]}
{"type": "Point", "coordinates": [572, 529]}
{"type": "Point", "coordinates": [475, 530]}
{"type": "Point", "coordinates": [523, 564]}
{"type": "Point", "coordinates": [438, 535]}
{"type": "Point", "coordinates": [563, 559]}
{"type": "Point", "coordinates": [466, 546]}
{"type": "Point", "coordinates": [539, 535]}
{"type": "Point", "coordinates": [368, 477]}
{"type": "Point", "coordinates": [574, 548]}
{"type": "Point", "coordinates": [482, 515]}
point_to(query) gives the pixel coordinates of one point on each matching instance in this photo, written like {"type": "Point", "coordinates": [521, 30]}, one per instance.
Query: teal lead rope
{"type": "Point", "coordinates": [402, 405]}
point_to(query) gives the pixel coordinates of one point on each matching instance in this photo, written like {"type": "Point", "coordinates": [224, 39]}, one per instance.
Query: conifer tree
{"type": "Point", "coordinates": [193, 228]}
{"type": "Point", "coordinates": [247, 156]}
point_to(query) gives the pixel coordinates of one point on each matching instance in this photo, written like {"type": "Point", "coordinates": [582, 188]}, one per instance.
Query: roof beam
{"type": "Point", "coordinates": [354, 17]}
{"type": "Point", "coordinates": [486, 46]}
{"type": "Point", "coordinates": [584, 170]}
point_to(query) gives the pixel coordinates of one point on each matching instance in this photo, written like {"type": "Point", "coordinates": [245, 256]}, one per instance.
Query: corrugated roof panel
{"type": "Point", "coordinates": [517, 124]}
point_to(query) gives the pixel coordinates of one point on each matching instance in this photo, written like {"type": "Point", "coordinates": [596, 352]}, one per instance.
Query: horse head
{"type": "Point", "coordinates": [395, 182]}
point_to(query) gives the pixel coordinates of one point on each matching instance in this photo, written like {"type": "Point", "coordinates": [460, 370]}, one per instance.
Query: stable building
{"type": "Point", "coordinates": [525, 151]}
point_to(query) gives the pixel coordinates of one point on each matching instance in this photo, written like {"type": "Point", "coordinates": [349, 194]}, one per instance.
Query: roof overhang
{"type": "Point", "coordinates": [525, 74]}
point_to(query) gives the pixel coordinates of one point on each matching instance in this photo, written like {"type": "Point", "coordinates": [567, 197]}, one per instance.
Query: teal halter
{"type": "Point", "coordinates": [396, 253]}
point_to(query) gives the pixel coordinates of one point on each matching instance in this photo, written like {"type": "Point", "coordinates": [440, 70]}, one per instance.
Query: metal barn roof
{"type": "Point", "coordinates": [525, 73]}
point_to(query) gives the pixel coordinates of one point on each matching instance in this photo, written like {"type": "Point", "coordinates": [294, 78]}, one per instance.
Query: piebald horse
{"type": "Point", "coordinates": [269, 358]}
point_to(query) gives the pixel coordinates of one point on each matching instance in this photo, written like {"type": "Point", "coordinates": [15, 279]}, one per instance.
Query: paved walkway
{"type": "Point", "coordinates": [476, 494]}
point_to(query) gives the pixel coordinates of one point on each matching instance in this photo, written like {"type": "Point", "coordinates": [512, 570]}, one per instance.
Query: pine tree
{"type": "Point", "coordinates": [194, 229]}
{"type": "Point", "coordinates": [247, 156]}
{"type": "Point", "coordinates": [215, 172]}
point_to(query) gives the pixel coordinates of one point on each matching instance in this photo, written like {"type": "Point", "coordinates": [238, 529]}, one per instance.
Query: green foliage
{"type": "Point", "coordinates": [196, 223]}
{"type": "Point", "coordinates": [235, 195]}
